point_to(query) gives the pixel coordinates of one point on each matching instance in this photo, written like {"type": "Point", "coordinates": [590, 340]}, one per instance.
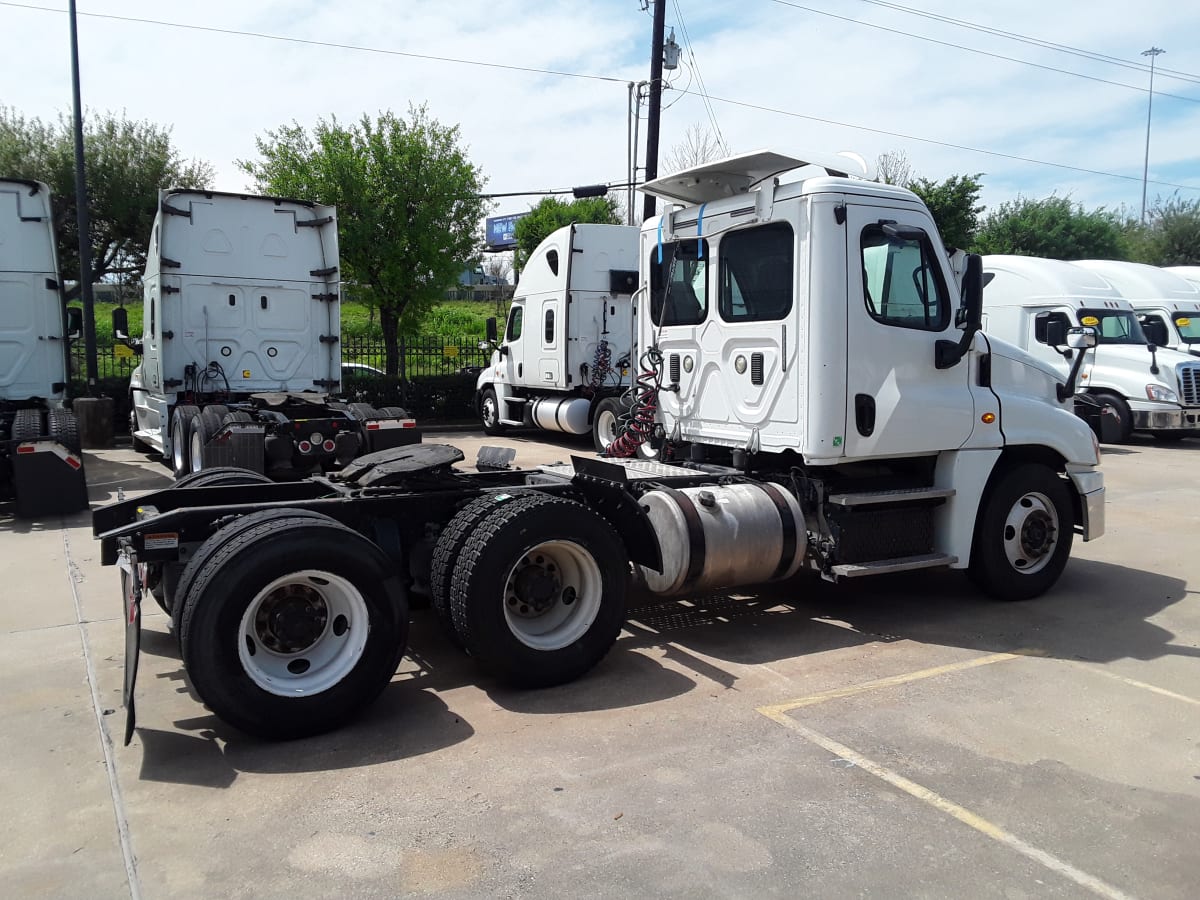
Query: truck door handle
{"type": "Point", "coordinates": [864, 414]}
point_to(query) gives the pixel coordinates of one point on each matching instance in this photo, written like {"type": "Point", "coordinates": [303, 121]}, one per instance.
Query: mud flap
{"type": "Point", "coordinates": [131, 593]}
{"type": "Point", "coordinates": [47, 479]}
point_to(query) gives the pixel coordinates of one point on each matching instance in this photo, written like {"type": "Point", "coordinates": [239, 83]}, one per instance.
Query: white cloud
{"type": "Point", "coordinates": [531, 131]}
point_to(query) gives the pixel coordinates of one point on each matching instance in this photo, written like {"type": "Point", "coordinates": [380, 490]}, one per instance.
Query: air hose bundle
{"type": "Point", "coordinates": [638, 424]}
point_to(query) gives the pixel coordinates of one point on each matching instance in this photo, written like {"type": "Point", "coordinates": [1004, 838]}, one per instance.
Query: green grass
{"type": "Point", "coordinates": [453, 318]}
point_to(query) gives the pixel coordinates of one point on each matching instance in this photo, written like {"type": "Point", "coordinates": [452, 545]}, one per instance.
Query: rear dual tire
{"type": "Point", "coordinates": [291, 625]}
{"type": "Point", "coordinates": [538, 590]}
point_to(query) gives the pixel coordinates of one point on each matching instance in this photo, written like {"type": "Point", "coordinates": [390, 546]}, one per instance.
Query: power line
{"type": "Point", "coordinates": [1037, 42]}
{"type": "Point", "coordinates": [937, 143]}
{"type": "Point", "coordinates": [705, 95]}
{"type": "Point", "coordinates": [314, 43]}
{"type": "Point", "coordinates": [712, 115]}
{"type": "Point", "coordinates": [988, 53]}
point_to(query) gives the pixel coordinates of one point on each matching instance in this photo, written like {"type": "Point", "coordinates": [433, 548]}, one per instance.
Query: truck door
{"type": "Point", "coordinates": [899, 306]}
{"type": "Point", "coordinates": [513, 348]}
{"type": "Point", "coordinates": [550, 369]}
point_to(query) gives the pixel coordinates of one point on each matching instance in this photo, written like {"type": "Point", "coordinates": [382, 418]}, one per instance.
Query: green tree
{"type": "Point", "coordinates": [954, 205]}
{"type": "Point", "coordinates": [127, 161]}
{"type": "Point", "coordinates": [1053, 227]}
{"type": "Point", "coordinates": [551, 214]}
{"type": "Point", "coordinates": [1171, 237]}
{"type": "Point", "coordinates": [407, 202]}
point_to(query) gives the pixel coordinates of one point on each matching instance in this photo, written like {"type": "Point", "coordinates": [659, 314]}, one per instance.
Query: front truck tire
{"type": "Point", "coordinates": [293, 627]}
{"type": "Point", "coordinates": [1121, 410]}
{"type": "Point", "coordinates": [539, 588]}
{"type": "Point", "coordinates": [489, 413]}
{"type": "Point", "coordinates": [181, 431]}
{"type": "Point", "coordinates": [1024, 533]}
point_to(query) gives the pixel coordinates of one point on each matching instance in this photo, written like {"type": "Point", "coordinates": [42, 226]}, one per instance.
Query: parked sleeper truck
{"type": "Point", "coordinates": [41, 467]}
{"type": "Point", "coordinates": [563, 363]}
{"type": "Point", "coordinates": [821, 396]}
{"type": "Point", "coordinates": [241, 332]}
{"type": "Point", "coordinates": [1167, 304]}
{"type": "Point", "coordinates": [1148, 389]}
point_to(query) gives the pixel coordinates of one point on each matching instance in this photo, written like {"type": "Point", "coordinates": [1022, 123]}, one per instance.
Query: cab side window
{"type": "Point", "coordinates": [515, 318]}
{"type": "Point", "coordinates": [902, 282]}
{"type": "Point", "coordinates": [757, 273]}
{"type": "Point", "coordinates": [678, 283]}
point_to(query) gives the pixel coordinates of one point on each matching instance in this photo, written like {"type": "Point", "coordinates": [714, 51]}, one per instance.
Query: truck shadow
{"type": "Point", "coordinates": [1098, 612]}
{"type": "Point", "coordinates": [107, 474]}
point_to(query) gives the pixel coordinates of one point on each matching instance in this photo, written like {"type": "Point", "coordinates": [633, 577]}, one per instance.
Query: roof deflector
{"type": "Point", "coordinates": [737, 174]}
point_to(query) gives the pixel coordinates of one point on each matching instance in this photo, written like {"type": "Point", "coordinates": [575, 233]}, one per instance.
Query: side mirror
{"type": "Point", "coordinates": [120, 323]}
{"type": "Point", "coordinates": [74, 323]}
{"type": "Point", "coordinates": [1056, 332]}
{"type": "Point", "coordinates": [946, 354]}
{"type": "Point", "coordinates": [491, 329]}
{"type": "Point", "coordinates": [1155, 330]}
{"type": "Point", "coordinates": [970, 312]}
{"type": "Point", "coordinates": [1082, 338]}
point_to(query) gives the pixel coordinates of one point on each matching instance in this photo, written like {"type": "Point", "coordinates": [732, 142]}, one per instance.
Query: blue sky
{"type": "Point", "coordinates": [824, 71]}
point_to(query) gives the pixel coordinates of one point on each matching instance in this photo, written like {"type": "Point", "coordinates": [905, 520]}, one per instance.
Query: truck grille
{"type": "Point", "coordinates": [1189, 384]}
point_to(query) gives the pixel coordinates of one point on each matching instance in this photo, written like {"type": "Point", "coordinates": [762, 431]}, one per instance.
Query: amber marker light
{"type": "Point", "coordinates": [988, 418]}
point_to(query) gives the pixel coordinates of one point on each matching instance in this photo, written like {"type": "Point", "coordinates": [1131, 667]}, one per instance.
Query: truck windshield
{"type": "Point", "coordinates": [1113, 326]}
{"type": "Point", "coordinates": [1189, 327]}
{"type": "Point", "coordinates": [678, 294]}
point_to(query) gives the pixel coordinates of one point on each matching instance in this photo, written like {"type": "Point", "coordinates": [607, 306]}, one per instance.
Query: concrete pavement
{"type": "Point", "coordinates": [891, 737]}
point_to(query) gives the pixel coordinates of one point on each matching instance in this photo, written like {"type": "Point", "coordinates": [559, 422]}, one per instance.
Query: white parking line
{"type": "Point", "coordinates": [937, 801]}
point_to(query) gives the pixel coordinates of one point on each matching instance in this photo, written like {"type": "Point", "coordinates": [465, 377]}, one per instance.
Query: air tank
{"type": "Point", "coordinates": [723, 536]}
{"type": "Point", "coordinates": [569, 414]}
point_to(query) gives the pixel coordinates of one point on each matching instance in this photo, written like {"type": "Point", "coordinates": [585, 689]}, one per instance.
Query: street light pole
{"type": "Point", "coordinates": [83, 222]}
{"type": "Point", "coordinates": [1152, 52]}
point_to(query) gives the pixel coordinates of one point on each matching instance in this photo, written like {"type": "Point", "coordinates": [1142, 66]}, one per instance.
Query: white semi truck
{"type": "Point", "coordinates": [820, 397]}
{"type": "Point", "coordinates": [1032, 302]}
{"type": "Point", "coordinates": [1167, 303]}
{"type": "Point", "coordinates": [41, 467]}
{"type": "Point", "coordinates": [241, 331]}
{"type": "Point", "coordinates": [563, 362]}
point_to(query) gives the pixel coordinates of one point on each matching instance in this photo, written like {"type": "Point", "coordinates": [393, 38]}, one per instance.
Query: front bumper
{"type": "Point", "coordinates": [1089, 484]}
{"type": "Point", "coordinates": [1171, 418]}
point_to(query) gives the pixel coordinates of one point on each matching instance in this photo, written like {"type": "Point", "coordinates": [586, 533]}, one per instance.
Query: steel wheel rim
{"type": "Point", "coordinates": [197, 454]}
{"type": "Point", "coordinates": [276, 653]}
{"type": "Point", "coordinates": [490, 415]}
{"type": "Point", "coordinates": [177, 444]}
{"type": "Point", "coordinates": [1031, 533]}
{"type": "Point", "coordinates": [552, 595]}
{"type": "Point", "coordinates": [606, 426]}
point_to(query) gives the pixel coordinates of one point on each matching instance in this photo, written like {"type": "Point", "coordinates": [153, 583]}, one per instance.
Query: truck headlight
{"type": "Point", "coordinates": [1159, 392]}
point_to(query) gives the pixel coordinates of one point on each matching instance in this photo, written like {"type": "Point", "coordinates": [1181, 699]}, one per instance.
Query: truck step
{"type": "Point", "coordinates": [901, 564]}
{"type": "Point", "coordinates": [901, 495]}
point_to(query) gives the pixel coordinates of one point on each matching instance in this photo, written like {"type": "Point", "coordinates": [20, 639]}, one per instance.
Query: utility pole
{"type": "Point", "coordinates": [1152, 52]}
{"type": "Point", "coordinates": [654, 110]}
{"type": "Point", "coordinates": [84, 222]}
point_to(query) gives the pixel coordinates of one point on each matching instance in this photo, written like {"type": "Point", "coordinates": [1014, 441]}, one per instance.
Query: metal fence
{"type": "Point", "coordinates": [420, 356]}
